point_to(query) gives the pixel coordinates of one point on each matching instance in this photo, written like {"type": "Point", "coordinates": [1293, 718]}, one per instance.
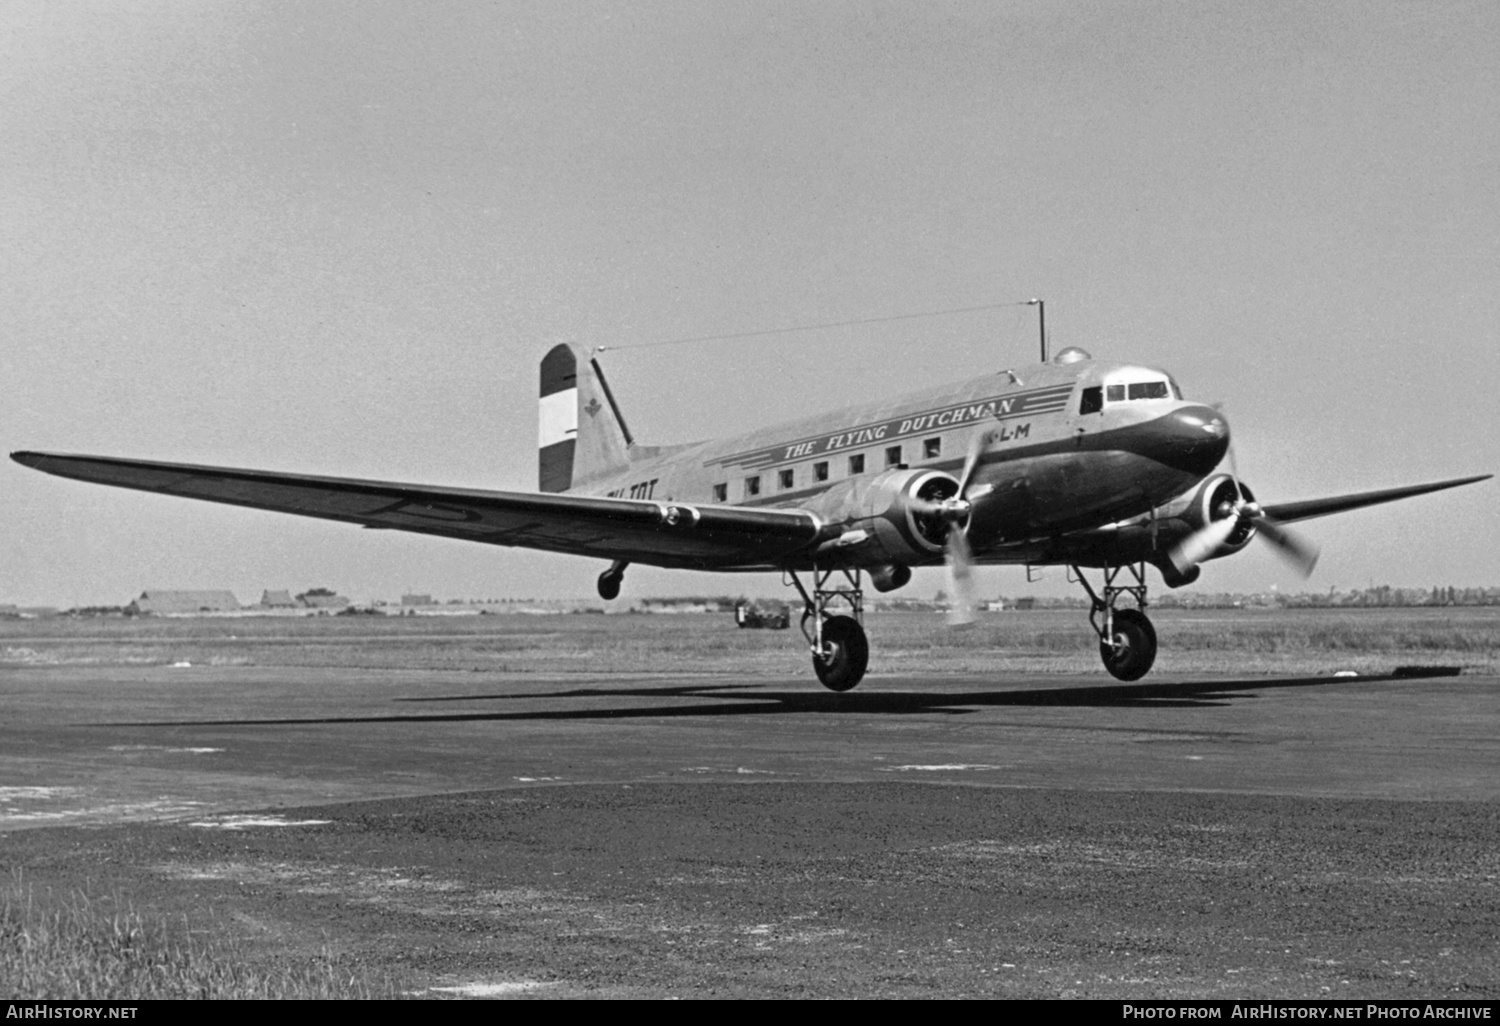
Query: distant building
{"type": "Point", "coordinates": [183, 603]}
{"type": "Point", "coordinates": [278, 600]}
{"type": "Point", "coordinates": [322, 598]}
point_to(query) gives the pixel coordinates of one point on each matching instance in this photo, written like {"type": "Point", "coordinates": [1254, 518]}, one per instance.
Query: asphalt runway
{"type": "Point", "coordinates": [98, 745]}
{"type": "Point", "coordinates": [653, 835]}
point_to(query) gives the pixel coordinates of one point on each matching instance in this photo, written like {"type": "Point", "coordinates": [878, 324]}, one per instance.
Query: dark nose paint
{"type": "Point", "coordinates": [1194, 438]}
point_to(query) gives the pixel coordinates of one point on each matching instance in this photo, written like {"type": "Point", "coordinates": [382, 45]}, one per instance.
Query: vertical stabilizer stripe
{"type": "Point", "coordinates": [559, 370]}
{"type": "Point", "coordinates": [557, 417]}
{"type": "Point", "coordinates": [555, 467]}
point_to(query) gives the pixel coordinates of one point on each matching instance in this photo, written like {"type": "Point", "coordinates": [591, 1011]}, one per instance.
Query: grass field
{"type": "Point", "coordinates": [1251, 641]}
{"type": "Point", "coordinates": [72, 946]}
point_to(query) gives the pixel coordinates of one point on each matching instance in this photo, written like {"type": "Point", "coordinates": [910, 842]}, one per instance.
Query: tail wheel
{"type": "Point", "coordinates": [1131, 649]}
{"type": "Point", "coordinates": [846, 653]}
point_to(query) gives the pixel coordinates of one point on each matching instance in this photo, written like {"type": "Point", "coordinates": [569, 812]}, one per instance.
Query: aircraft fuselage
{"type": "Point", "coordinates": [1068, 447]}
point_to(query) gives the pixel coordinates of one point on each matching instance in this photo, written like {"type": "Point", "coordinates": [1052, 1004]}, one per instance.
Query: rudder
{"type": "Point", "coordinates": [580, 436]}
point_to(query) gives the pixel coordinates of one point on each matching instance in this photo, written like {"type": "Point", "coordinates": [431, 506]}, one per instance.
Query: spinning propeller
{"type": "Point", "coordinates": [1243, 512]}
{"type": "Point", "coordinates": [956, 512]}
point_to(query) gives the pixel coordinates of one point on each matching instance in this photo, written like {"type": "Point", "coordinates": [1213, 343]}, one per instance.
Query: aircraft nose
{"type": "Point", "coordinates": [1194, 438]}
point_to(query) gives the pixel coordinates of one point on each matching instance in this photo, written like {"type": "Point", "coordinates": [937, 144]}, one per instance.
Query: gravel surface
{"type": "Point", "coordinates": [833, 890]}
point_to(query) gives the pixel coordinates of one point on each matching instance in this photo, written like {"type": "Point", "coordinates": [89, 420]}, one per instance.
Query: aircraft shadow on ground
{"type": "Point", "coordinates": [755, 700]}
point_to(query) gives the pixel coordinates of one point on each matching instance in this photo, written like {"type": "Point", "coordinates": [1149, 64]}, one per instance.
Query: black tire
{"type": "Point", "coordinates": [1134, 651]}
{"type": "Point", "coordinates": [848, 654]}
{"type": "Point", "coordinates": [609, 585]}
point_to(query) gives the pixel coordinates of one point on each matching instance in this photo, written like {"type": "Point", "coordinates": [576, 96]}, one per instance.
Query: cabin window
{"type": "Point", "coordinates": [932, 448]}
{"type": "Point", "coordinates": [820, 471]}
{"type": "Point", "coordinates": [857, 464]}
{"type": "Point", "coordinates": [1148, 390]}
{"type": "Point", "coordinates": [721, 492]}
{"type": "Point", "coordinates": [752, 486]}
{"type": "Point", "coordinates": [785, 478]}
{"type": "Point", "coordinates": [893, 456]}
{"type": "Point", "coordinates": [1092, 401]}
{"type": "Point", "coordinates": [1115, 393]}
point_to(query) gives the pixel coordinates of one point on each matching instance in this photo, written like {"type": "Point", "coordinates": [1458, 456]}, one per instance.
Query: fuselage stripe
{"type": "Point", "coordinates": [998, 408]}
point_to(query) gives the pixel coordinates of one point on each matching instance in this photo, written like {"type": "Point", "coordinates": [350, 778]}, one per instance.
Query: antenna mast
{"type": "Point", "coordinates": [1041, 313]}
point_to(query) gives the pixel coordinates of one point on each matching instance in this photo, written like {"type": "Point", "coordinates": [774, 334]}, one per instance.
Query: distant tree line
{"type": "Point", "coordinates": [1381, 595]}
{"type": "Point", "coordinates": [1375, 596]}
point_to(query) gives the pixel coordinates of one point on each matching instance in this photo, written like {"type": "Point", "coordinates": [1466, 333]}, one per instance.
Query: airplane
{"type": "Point", "coordinates": [1073, 461]}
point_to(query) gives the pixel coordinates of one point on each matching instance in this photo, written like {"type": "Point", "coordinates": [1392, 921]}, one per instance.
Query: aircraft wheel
{"type": "Point", "coordinates": [848, 653]}
{"type": "Point", "coordinates": [1134, 646]}
{"type": "Point", "coordinates": [609, 585]}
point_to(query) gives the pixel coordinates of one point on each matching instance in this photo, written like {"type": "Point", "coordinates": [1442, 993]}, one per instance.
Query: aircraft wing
{"type": "Point", "coordinates": [657, 533]}
{"type": "Point", "coordinates": [1287, 512]}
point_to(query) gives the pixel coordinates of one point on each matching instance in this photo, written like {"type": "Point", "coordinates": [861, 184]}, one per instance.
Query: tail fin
{"type": "Point", "coordinates": [581, 435]}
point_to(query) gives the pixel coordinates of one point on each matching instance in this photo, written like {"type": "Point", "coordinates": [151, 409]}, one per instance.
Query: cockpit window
{"type": "Point", "coordinates": [1148, 390]}
{"type": "Point", "coordinates": [1129, 391]}
{"type": "Point", "coordinates": [1092, 400]}
{"type": "Point", "coordinates": [1134, 384]}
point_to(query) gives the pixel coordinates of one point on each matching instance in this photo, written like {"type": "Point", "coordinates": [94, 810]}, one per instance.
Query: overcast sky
{"type": "Point", "coordinates": [337, 237]}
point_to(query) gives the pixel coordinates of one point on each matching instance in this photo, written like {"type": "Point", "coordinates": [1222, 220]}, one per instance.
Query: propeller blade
{"type": "Point", "coordinates": [960, 579]}
{"type": "Point", "coordinates": [977, 441]}
{"type": "Point", "coordinates": [960, 558]}
{"type": "Point", "coordinates": [1289, 545]}
{"type": "Point", "coordinates": [1197, 547]}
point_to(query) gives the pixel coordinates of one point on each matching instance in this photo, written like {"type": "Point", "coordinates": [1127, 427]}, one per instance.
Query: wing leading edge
{"type": "Point", "coordinates": [656, 533]}
{"type": "Point", "coordinates": [1287, 512]}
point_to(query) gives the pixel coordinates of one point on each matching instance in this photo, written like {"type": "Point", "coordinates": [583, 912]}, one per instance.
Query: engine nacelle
{"type": "Point", "coordinates": [884, 521]}
{"type": "Point", "coordinates": [1215, 499]}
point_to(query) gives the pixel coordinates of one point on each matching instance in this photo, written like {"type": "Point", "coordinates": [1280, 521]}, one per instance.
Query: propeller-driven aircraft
{"type": "Point", "coordinates": [1074, 461]}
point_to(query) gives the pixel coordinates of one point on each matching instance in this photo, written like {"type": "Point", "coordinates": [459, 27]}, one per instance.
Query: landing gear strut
{"type": "Point", "coordinates": [1127, 641]}
{"type": "Point", "coordinates": [611, 579]}
{"type": "Point", "coordinates": [840, 650]}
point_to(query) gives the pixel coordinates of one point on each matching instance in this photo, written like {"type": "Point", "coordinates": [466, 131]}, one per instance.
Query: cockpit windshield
{"type": "Point", "coordinates": [1133, 390]}
{"type": "Point", "coordinates": [1126, 384]}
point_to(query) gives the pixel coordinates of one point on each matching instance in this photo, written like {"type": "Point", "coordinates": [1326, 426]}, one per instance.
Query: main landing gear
{"type": "Point", "coordinates": [840, 650]}
{"type": "Point", "coordinates": [1127, 641]}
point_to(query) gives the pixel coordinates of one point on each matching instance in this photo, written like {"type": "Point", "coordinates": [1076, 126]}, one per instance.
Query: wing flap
{"type": "Point", "coordinates": [1287, 512]}
{"type": "Point", "coordinates": [658, 533]}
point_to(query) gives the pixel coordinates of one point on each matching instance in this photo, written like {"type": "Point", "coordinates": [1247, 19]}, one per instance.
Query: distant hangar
{"type": "Point", "coordinates": [165, 602]}
{"type": "Point", "coordinates": [157, 602]}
